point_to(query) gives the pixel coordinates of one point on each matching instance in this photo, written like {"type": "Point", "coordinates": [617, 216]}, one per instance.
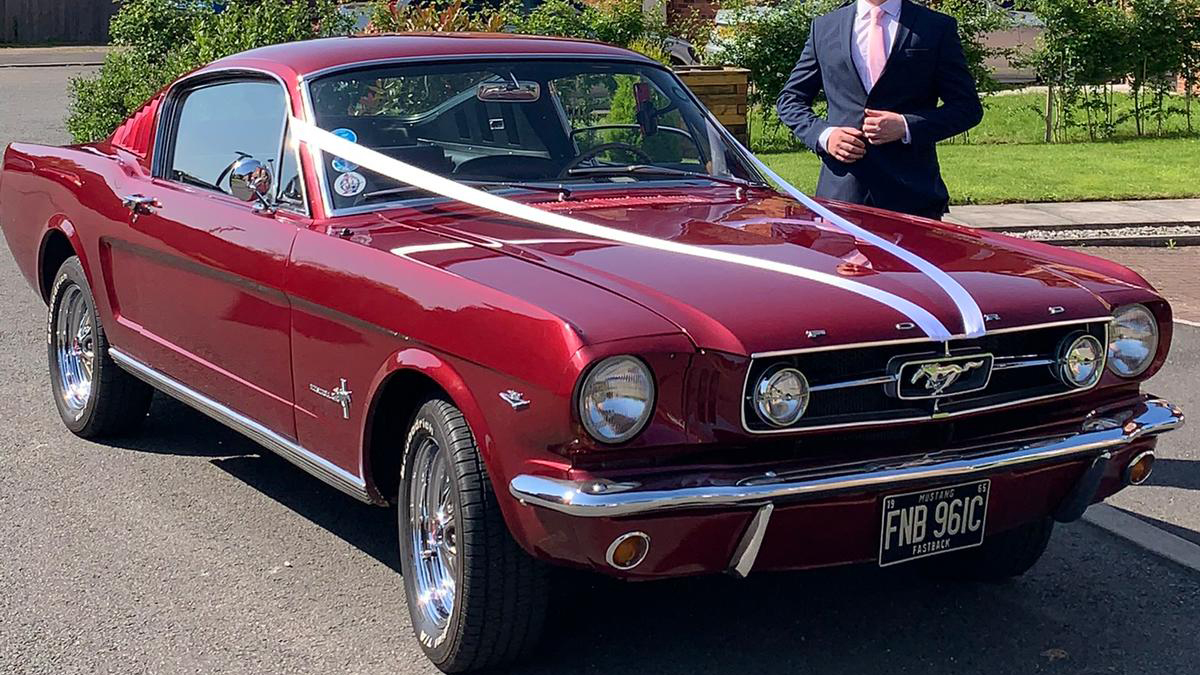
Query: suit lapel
{"type": "Point", "coordinates": [845, 38]}
{"type": "Point", "coordinates": [903, 30]}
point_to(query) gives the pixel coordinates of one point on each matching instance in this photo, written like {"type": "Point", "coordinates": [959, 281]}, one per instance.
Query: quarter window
{"type": "Point", "coordinates": [221, 123]}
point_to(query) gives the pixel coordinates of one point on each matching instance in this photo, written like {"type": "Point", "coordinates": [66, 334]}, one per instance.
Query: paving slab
{"type": "Point", "coordinates": [1079, 214]}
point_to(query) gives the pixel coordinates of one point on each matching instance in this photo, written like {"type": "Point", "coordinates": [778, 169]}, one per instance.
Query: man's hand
{"type": "Point", "coordinates": [846, 144]}
{"type": "Point", "coordinates": [881, 126]}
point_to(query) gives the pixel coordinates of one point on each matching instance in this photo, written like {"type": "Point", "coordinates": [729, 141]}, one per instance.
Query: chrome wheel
{"type": "Point", "coordinates": [433, 532]}
{"type": "Point", "coordinates": [75, 349]}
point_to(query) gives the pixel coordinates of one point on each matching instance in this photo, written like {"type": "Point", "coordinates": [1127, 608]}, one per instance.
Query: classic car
{"type": "Point", "coordinates": [528, 292]}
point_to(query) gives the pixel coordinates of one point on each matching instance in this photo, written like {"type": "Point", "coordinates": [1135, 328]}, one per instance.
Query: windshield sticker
{"type": "Point", "coordinates": [345, 133]}
{"type": "Point", "coordinates": [350, 184]}
{"type": "Point", "coordinates": [342, 166]}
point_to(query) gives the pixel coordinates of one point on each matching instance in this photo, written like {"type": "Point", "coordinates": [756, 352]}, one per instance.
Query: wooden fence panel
{"type": "Point", "coordinates": [33, 22]}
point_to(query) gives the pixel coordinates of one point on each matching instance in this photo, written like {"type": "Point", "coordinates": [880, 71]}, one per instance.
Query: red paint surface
{"type": "Point", "coordinates": [251, 309]}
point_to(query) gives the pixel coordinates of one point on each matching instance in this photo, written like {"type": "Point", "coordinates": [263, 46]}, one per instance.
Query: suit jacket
{"type": "Point", "coordinates": [926, 64]}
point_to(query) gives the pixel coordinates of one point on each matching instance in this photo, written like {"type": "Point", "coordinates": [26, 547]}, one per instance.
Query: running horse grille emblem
{"type": "Point", "coordinates": [946, 376]}
{"type": "Point", "coordinates": [341, 395]}
{"type": "Point", "coordinates": [939, 377]}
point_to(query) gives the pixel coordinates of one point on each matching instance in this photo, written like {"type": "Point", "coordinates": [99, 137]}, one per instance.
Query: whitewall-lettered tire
{"type": "Point", "coordinates": [94, 396]}
{"type": "Point", "coordinates": [476, 599]}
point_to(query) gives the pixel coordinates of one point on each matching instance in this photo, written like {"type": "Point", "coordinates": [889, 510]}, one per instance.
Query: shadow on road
{"type": "Point", "coordinates": [850, 621]}
{"type": "Point", "coordinates": [175, 429]}
{"type": "Point", "coordinates": [1177, 473]}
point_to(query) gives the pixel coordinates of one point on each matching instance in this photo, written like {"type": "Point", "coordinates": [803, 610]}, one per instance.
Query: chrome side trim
{"type": "Point", "coordinates": [1098, 433]}
{"type": "Point", "coordinates": [747, 549]}
{"type": "Point", "coordinates": [882, 379]}
{"type": "Point", "coordinates": [794, 429]}
{"type": "Point", "coordinates": [319, 467]}
{"type": "Point", "coordinates": [884, 343]}
{"type": "Point", "coordinates": [1024, 363]}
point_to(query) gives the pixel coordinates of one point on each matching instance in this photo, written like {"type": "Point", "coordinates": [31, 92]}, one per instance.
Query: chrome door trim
{"type": "Point", "coordinates": [319, 467]}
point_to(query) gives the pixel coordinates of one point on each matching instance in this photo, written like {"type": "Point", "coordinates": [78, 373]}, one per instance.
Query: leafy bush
{"type": "Point", "coordinates": [159, 40]}
{"type": "Point", "coordinates": [768, 41]}
{"type": "Point", "coordinates": [389, 17]}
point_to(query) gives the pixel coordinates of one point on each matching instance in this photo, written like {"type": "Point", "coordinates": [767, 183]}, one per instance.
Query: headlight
{"type": "Point", "coordinates": [616, 399]}
{"type": "Point", "coordinates": [1132, 340]}
{"type": "Point", "coordinates": [1081, 361]}
{"type": "Point", "coordinates": [781, 396]}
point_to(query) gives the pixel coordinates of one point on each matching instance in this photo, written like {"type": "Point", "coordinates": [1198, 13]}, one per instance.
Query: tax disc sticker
{"type": "Point", "coordinates": [345, 133]}
{"type": "Point", "coordinates": [342, 166]}
{"type": "Point", "coordinates": [350, 184]}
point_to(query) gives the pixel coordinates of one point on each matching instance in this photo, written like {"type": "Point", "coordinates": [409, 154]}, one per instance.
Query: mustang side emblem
{"type": "Point", "coordinates": [938, 377]}
{"type": "Point", "coordinates": [515, 398]}
{"type": "Point", "coordinates": [340, 395]}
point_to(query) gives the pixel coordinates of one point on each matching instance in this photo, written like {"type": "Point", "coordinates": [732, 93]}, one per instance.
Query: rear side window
{"type": "Point", "coordinates": [221, 123]}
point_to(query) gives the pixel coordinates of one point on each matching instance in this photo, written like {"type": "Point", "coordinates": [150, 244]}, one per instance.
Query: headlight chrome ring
{"type": "Point", "coordinates": [781, 396]}
{"type": "Point", "coordinates": [616, 399]}
{"type": "Point", "coordinates": [1081, 360]}
{"type": "Point", "coordinates": [1132, 340]}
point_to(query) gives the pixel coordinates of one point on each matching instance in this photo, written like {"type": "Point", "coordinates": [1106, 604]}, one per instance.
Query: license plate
{"type": "Point", "coordinates": [929, 522]}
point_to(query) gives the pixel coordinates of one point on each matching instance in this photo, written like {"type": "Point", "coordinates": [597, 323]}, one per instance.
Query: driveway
{"type": "Point", "coordinates": [189, 549]}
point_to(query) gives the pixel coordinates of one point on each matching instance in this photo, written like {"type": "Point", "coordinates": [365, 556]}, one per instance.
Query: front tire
{"type": "Point", "coordinates": [94, 396]}
{"type": "Point", "coordinates": [476, 600]}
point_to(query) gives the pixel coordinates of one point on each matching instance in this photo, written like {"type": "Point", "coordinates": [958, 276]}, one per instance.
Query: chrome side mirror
{"type": "Point", "coordinates": [250, 181]}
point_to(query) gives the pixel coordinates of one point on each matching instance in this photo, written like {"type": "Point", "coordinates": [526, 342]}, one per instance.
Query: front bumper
{"type": "Point", "coordinates": [682, 496]}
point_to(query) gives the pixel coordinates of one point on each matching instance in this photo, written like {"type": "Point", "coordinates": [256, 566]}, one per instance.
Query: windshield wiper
{"type": "Point", "coordinates": [650, 170]}
{"type": "Point", "coordinates": [563, 192]}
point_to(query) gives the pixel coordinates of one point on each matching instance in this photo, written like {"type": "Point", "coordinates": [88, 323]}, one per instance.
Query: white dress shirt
{"type": "Point", "coordinates": [862, 35]}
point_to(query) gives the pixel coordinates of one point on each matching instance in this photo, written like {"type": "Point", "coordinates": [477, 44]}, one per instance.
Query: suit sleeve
{"type": "Point", "coordinates": [795, 104]}
{"type": "Point", "coordinates": [960, 109]}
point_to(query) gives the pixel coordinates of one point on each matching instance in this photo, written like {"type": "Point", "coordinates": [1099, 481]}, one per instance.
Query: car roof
{"type": "Point", "coordinates": [312, 56]}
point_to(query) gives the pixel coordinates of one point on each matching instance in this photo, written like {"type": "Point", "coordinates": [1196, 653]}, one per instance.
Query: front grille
{"type": "Point", "coordinates": [1025, 367]}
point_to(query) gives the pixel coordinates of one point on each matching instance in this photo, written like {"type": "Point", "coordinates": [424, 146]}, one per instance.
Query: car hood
{"type": "Point", "coordinates": [740, 309]}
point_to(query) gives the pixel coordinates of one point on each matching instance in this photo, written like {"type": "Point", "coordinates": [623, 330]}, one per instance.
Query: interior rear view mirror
{"type": "Point", "coordinates": [509, 92]}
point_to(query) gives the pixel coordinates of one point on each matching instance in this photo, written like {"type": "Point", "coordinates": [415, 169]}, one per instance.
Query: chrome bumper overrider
{"type": "Point", "coordinates": [601, 498]}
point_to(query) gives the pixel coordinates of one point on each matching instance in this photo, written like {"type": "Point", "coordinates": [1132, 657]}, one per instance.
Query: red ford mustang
{"type": "Point", "coordinates": [529, 292]}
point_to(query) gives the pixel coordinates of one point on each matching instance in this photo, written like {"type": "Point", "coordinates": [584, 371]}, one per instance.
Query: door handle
{"type": "Point", "coordinates": [140, 204]}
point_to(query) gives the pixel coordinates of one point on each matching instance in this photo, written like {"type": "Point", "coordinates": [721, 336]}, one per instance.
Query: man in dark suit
{"type": "Point", "coordinates": [883, 65]}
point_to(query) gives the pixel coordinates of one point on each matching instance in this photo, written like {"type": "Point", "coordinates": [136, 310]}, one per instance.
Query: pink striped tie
{"type": "Point", "coordinates": [877, 51]}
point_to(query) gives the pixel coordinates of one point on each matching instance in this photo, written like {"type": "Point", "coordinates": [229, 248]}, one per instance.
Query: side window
{"type": "Point", "coordinates": [219, 124]}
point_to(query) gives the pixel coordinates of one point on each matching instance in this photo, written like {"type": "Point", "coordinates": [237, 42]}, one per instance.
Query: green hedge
{"type": "Point", "coordinates": [159, 40]}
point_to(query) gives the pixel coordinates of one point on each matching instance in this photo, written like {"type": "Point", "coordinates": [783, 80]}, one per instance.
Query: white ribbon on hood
{"type": "Point", "coordinates": [411, 175]}
{"type": "Point", "coordinates": [972, 315]}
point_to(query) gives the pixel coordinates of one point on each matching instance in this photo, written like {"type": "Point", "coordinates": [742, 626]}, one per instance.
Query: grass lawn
{"type": "Point", "coordinates": [1000, 173]}
{"type": "Point", "coordinates": [1005, 160]}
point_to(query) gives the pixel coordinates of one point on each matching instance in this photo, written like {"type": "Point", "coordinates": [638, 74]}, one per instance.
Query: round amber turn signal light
{"type": "Point", "coordinates": [628, 550]}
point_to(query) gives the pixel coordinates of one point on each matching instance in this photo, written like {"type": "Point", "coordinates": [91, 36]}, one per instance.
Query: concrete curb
{"type": "Point", "coordinates": [1139, 532]}
{"type": "Point", "coordinates": [1161, 241]}
{"type": "Point", "coordinates": [54, 64]}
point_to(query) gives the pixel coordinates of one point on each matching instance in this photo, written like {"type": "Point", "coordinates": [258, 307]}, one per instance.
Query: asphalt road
{"type": "Point", "coordinates": [187, 549]}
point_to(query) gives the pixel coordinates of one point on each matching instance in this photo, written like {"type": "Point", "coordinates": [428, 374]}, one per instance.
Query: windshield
{"type": "Point", "coordinates": [519, 122]}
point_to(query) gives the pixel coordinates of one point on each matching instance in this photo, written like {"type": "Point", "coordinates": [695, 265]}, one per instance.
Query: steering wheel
{"type": "Point", "coordinates": [601, 149]}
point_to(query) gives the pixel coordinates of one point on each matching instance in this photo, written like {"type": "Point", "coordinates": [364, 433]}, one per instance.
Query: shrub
{"type": "Point", "coordinates": [768, 41]}
{"type": "Point", "coordinates": [159, 40]}
{"type": "Point", "coordinates": [436, 17]}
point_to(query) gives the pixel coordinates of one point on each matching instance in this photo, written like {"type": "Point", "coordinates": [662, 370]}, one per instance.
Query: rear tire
{"type": "Point", "coordinates": [94, 396]}
{"type": "Point", "coordinates": [1001, 556]}
{"type": "Point", "coordinates": [476, 600]}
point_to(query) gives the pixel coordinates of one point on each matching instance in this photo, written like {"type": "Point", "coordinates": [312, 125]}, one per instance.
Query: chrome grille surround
{"type": "Point", "coordinates": [1023, 370]}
